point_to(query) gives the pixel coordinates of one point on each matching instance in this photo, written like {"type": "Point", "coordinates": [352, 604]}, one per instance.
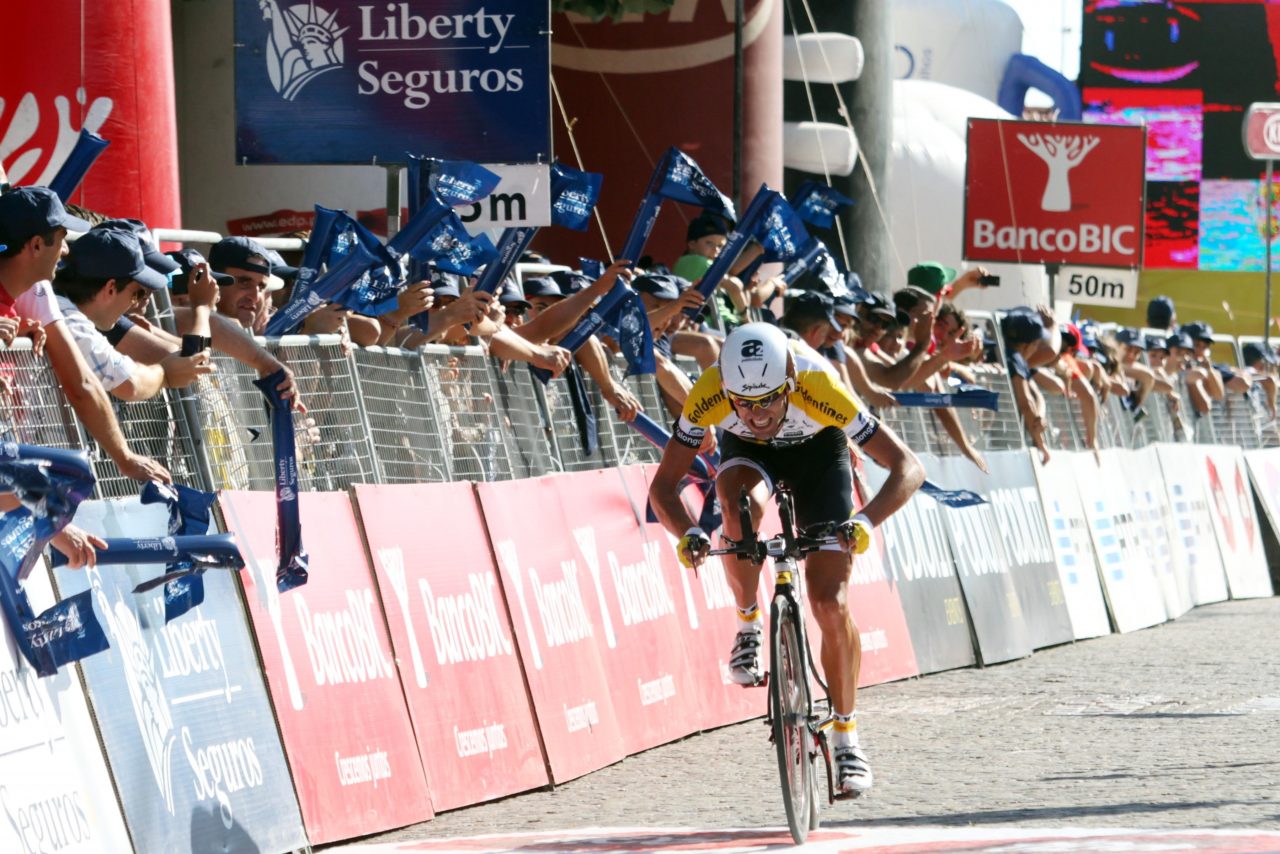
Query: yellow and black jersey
{"type": "Point", "coordinates": [818, 400]}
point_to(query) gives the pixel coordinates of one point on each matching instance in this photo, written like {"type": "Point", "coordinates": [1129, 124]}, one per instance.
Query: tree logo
{"type": "Point", "coordinates": [304, 42]}
{"type": "Point", "coordinates": [1062, 153]}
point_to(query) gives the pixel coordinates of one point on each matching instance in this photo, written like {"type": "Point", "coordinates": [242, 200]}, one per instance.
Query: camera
{"type": "Point", "coordinates": [989, 281]}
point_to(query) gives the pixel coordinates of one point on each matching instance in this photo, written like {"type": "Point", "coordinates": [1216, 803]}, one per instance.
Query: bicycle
{"type": "Point", "coordinates": [798, 725]}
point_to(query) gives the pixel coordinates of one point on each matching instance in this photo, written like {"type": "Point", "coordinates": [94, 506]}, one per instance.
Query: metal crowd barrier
{"type": "Point", "coordinates": [385, 415]}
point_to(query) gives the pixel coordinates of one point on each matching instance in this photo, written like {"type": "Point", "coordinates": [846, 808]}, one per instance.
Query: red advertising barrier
{"type": "Point", "coordinates": [1235, 522]}
{"type": "Point", "coordinates": [105, 67]}
{"type": "Point", "coordinates": [641, 640]}
{"type": "Point", "coordinates": [331, 671]}
{"type": "Point", "coordinates": [451, 631]}
{"type": "Point", "coordinates": [558, 624]}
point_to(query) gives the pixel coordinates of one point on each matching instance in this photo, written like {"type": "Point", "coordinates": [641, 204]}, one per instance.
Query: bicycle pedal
{"type": "Point", "coordinates": [847, 796]}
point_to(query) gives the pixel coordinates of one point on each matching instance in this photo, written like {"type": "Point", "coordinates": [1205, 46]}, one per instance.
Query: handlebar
{"type": "Point", "coordinates": [787, 544]}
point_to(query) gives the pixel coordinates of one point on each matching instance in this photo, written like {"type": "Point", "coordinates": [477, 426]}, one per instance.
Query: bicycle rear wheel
{"type": "Point", "coordinates": [789, 703]}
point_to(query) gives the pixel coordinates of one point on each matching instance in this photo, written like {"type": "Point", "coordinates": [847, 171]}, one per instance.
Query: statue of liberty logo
{"type": "Point", "coordinates": [304, 43]}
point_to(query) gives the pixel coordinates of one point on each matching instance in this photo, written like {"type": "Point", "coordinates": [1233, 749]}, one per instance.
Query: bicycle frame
{"type": "Point", "coordinates": [786, 614]}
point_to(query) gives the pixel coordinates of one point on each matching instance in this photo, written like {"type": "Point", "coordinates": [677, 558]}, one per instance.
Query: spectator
{"type": "Point", "coordinates": [1260, 361]}
{"type": "Point", "coordinates": [1032, 339]}
{"type": "Point", "coordinates": [665, 297]}
{"type": "Point", "coordinates": [705, 237]}
{"type": "Point", "coordinates": [1161, 314]}
{"type": "Point", "coordinates": [244, 299]}
{"type": "Point", "coordinates": [106, 275]}
{"type": "Point", "coordinates": [1212, 378]}
{"type": "Point", "coordinates": [33, 228]}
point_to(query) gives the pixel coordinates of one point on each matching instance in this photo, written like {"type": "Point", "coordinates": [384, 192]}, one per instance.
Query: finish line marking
{"type": "Point", "coordinates": [863, 840]}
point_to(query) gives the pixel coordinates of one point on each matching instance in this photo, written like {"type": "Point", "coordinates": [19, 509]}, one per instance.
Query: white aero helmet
{"type": "Point", "coordinates": [753, 361]}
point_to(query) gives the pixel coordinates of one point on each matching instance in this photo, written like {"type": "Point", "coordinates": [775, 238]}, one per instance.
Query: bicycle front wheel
{"type": "Point", "coordinates": [789, 702]}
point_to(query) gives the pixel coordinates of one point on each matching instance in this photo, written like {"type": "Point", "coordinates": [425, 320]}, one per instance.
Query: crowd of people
{"type": "Point", "coordinates": [84, 304]}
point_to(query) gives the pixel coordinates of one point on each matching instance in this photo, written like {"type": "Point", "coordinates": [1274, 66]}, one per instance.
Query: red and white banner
{"type": "Point", "coordinates": [709, 617]}
{"type": "Point", "coordinates": [452, 635]}
{"type": "Point", "coordinates": [1234, 521]}
{"type": "Point", "coordinates": [641, 639]}
{"type": "Point", "coordinates": [105, 67]}
{"type": "Point", "coordinates": [558, 624]}
{"type": "Point", "coordinates": [1054, 193]}
{"type": "Point", "coordinates": [331, 671]}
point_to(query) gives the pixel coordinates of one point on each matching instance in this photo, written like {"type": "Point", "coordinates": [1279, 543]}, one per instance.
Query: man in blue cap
{"type": "Point", "coordinates": [105, 275]}
{"type": "Point", "coordinates": [33, 228]}
{"type": "Point", "coordinates": [248, 263]}
{"type": "Point", "coordinates": [1260, 362]}
{"type": "Point", "coordinates": [1032, 339]}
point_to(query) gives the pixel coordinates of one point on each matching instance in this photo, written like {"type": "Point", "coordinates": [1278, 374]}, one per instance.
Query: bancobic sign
{"type": "Point", "coordinates": [1054, 193]}
{"type": "Point", "coordinates": [344, 81]}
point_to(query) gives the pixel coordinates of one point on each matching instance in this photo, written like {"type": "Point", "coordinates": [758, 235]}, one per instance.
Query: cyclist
{"type": "Point", "coordinates": [786, 417]}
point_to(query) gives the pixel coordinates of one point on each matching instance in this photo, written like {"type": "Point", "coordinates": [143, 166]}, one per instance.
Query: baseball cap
{"type": "Point", "coordinates": [110, 254]}
{"type": "Point", "coordinates": [1160, 312]}
{"type": "Point", "coordinates": [1073, 341]}
{"type": "Point", "coordinates": [1128, 335]}
{"type": "Point", "coordinates": [570, 281]}
{"type": "Point", "coordinates": [886, 310]}
{"type": "Point", "coordinates": [541, 286]}
{"type": "Point", "coordinates": [1197, 331]}
{"type": "Point", "coordinates": [156, 259]}
{"type": "Point", "coordinates": [186, 259]}
{"type": "Point", "coordinates": [847, 304]}
{"type": "Point", "coordinates": [706, 224]}
{"type": "Point", "coordinates": [815, 305]}
{"type": "Point", "coordinates": [930, 277]}
{"type": "Point", "coordinates": [1252, 352]}
{"type": "Point", "coordinates": [658, 285]}
{"type": "Point", "coordinates": [280, 268]}
{"type": "Point", "coordinates": [28, 211]}
{"type": "Point", "coordinates": [445, 284]}
{"type": "Point", "coordinates": [511, 295]}
{"type": "Point", "coordinates": [244, 253]}
{"type": "Point", "coordinates": [1181, 340]}
{"type": "Point", "coordinates": [1022, 326]}
{"type": "Point", "coordinates": [1156, 342]}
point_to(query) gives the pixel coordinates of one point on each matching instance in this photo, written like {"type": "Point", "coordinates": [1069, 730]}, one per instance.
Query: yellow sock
{"type": "Point", "coordinates": [750, 616]}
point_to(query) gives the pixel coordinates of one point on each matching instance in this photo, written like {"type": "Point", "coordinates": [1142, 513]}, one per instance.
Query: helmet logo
{"type": "Point", "coordinates": [753, 349]}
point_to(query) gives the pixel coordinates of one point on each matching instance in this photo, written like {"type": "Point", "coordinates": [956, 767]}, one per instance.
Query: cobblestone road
{"type": "Point", "coordinates": [1172, 727]}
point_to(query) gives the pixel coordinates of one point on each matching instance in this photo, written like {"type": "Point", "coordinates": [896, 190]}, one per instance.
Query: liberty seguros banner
{"type": "Point", "coordinates": [185, 719]}
{"type": "Point", "coordinates": [343, 81]}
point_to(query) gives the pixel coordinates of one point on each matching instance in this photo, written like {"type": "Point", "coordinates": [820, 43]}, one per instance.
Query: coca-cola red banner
{"type": "Point", "coordinates": [452, 635]}
{"type": "Point", "coordinates": [641, 639]}
{"type": "Point", "coordinates": [558, 623]}
{"type": "Point", "coordinates": [105, 67]}
{"type": "Point", "coordinates": [331, 671]}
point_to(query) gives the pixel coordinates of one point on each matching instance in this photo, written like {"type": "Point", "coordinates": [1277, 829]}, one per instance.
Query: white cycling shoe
{"type": "Point", "coordinates": [744, 659]}
{"type": "Point", "coordinates": [852, 772]}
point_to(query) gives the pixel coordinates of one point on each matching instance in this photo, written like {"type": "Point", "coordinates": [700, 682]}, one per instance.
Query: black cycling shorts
{"type": "Point", "coordinates": [817, 470]}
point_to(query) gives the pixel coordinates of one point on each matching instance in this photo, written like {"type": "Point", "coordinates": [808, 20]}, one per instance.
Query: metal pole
{"type": "Point", "coordinates": [393, 200]}
{"type": "Point", "coordinates": [1266, 238]}
{"type": "Point", "coordinates": [1052, 271]}
{"type": "Point", "coordinates": [738, 86]}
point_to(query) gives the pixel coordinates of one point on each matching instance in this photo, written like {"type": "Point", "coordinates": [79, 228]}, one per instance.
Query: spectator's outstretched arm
{"type": "Point", "coordinates": [951, 423]}
{"type": "Point", "coordinates": [506, 344]}
{"type": "Point", "coordinates": [553, 322]}
{"type": "Point", "coordinates": [595, 361]}
{"type": "Point", "coordinates": [1088, 400]}
{"type": "Point", "coordinates": [365, 331]}
{"type": "Point", "coordinates": [674, 384]}
{"type": "Point", "coordinates": [89, 400]}
{"type": "Point", "coordinates": [231, 339]}
{"type": "Point", "coordinates": [1025, 397]}
{"type": "Point", "coordinates": [871, 392]}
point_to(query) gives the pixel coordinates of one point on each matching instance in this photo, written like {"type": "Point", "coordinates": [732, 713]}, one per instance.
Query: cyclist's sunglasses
{"type": "Point", "coordinates": [763, 402]}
